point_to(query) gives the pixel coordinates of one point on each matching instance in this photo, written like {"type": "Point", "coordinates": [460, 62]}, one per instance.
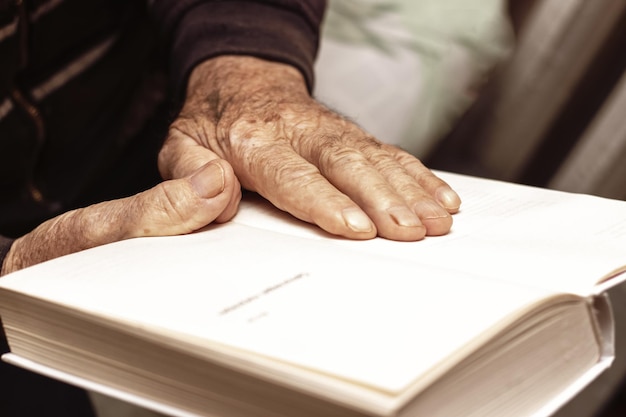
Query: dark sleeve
{"type": "Point", "coordinates": [5, 245]}
{"type": "Point", "coordinates": [280, 30]}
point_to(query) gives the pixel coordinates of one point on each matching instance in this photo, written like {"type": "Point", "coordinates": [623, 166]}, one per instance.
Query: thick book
{"type": "Point", "coordinates": [267, 316]}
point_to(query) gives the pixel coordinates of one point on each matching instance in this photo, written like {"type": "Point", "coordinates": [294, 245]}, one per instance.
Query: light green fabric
{"type": "Point", "coordinates": [434, 53]}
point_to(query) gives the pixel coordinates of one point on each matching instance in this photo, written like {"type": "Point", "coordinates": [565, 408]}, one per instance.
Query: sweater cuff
{"type": "Point", "coordinates": [5, 245]}
{"type": "Point", "coordinates": [253, 29]}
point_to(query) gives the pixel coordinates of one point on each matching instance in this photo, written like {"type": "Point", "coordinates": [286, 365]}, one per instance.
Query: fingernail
{"type": "Point", "coordinates": [402, 216]}
{"type": "Point", "coordinates": [208, 181]}
{"type": "Point", "coordinates": [448, 198]}
{"type": "Point", "coordinates": [428, 210]}
{"type": "Point", "coordinates": [357, 220]}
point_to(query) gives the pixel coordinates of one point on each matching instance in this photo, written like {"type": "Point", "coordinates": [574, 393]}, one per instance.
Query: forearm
{"type": "Point", "coordinates": [70, 232]}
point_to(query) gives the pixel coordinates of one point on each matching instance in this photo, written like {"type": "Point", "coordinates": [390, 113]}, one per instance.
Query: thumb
{"type": "Point", "coordinates": [211, 193]}
{"type": "Point", "coordinates": [181, 156]}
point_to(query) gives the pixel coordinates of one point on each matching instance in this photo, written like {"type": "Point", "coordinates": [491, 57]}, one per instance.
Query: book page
{"type": "Point", "coordinates": [373, 320]}
{"type": "Point", "coordinates": [552, 239]}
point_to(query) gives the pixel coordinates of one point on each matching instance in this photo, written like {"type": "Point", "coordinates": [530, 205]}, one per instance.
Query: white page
{"type": "Point", "coordinates": [509, 232]}
{"type": "Point", "coordinates": [377, 321]}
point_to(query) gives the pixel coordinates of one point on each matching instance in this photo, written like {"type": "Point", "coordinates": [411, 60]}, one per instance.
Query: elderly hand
{"type": "Point", "coordinates": [205, 192]}
{"type": "Point", "coordinates": [304, 158]}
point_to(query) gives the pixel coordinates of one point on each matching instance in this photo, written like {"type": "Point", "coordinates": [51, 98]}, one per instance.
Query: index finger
{"type": "Point", "coordinates": [294, 185]}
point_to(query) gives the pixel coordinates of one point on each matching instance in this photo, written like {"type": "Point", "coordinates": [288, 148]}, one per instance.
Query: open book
{"type": "Point", "coordinates": [268, 316]}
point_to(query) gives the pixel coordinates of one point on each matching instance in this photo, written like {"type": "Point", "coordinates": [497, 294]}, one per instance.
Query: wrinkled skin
{"type": "Point", "coordinates": [252, 122]}
{"type": "Point", "coordinates": [304, 158]}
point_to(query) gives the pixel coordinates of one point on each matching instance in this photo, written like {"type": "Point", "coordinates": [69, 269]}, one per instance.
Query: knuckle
{"type": "Point", "coordinates": [173, 204]}
{"type": "Point", "coordinates": [340, 155]}
{"type": "Point", "coordinates": [243, 130]}
{"type": "Point", "coordinates": [163, 209]}
{"type": "Point", "coordinates": [331, 151]}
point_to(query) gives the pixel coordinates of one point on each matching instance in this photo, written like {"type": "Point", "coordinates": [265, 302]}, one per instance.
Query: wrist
{"type": "Point", "coordinates": [222, 79]}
